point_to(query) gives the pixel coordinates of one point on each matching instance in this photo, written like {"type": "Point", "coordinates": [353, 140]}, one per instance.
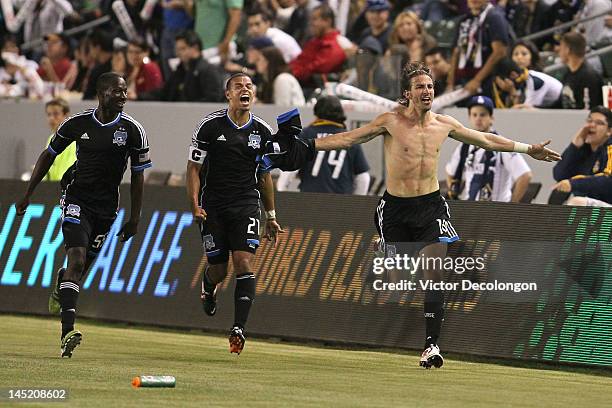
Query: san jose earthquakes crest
{"type": "Point", "coordinates": [120, 137]}
{"type": "Point", "coordinates": [254, 140]}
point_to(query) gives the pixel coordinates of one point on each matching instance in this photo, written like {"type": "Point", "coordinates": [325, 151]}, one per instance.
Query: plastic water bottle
{"type": "Point", "coordinates": [158, 381]}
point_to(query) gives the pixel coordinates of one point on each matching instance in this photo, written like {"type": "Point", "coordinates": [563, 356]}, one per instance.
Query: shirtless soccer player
{"type": "Point", "coordinates": [412, 210]}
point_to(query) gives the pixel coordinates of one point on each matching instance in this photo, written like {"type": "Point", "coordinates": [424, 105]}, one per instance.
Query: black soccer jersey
{"type": "Point", "coordinates": [103, 150]}
{"type": "Point", "coordinates": [231, 159]}
{"type": "Point", "coordinates": [331, 171]}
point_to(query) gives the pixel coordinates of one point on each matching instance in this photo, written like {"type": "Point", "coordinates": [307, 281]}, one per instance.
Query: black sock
{"type": "Point", "coordinates": [434, 314]}
{"type": "Point", "coordinates": [207, 285]}
{"type": "Point", "coordinates": [243, 298]}
{"type": "Point", "coordinates": [68, 294]}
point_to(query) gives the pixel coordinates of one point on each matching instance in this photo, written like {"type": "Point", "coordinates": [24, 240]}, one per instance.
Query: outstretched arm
{"type": "Point", "coordinates": [490, 141]}
{"type": "Point", "coordinates": [43, 164]}
{"type": "Point", "coordinates": [360, 135]}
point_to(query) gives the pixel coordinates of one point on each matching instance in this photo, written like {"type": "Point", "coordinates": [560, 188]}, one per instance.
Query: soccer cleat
{"type": "Point", "coordinates": [54, 301]}
{"type": "Point", "coordinates": [431, 357]}
{"type": "Point", "coordinates": [70, 341]}
{"type": "Point", "coordinates": [209, 297]}
{"type": "Point", "coordinates": [236, 340]}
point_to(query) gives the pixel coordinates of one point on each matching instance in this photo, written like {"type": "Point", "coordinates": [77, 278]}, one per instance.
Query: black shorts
{"type": "Point", "coordinates": [227, 229]}
{"type": "Point", "coordinates": [413, 222]}
{"type": "Point", "coordinates": [83, 227]}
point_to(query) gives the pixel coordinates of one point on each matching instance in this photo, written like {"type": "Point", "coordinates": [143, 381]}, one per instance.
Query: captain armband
{"type": "Point", "coordinates": [196, 155]}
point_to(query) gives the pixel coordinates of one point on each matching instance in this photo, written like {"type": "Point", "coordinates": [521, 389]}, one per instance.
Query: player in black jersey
{"type": "Point", "coordinates": [224, 181]}
{"type": "Point", "coordinates": [105, 138]}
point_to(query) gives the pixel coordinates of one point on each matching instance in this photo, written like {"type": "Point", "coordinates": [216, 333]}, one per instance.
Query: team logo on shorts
{"type": "Point", "coordinates": [254, 140]}
{"type": "Point", "coordinates": [120, 138]}
{"type": "Point", "coordinates": [208, 242]}
{"type": "Point", "coordinates": [73, 210]}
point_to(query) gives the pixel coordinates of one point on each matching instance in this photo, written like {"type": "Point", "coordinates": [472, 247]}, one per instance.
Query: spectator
{"type": "Point", "coordinates": [119, 62]}
{"type": "Point", "coordinates": [343, 171]}
{"type": "Point", "coordinates": [324, 53]}
{"type": "Point", "coordinates": [145, 75]}
{"type": "Point", "coordinates": [436, 61]}
{"type": "Point", "coordinates": [594, 31]}
{"type": "Point", "coordinates": [57, 110]}
{"type": "Point", "coordinates": [101, 51]}
{"type": "Point", "coordinates": [283, 9]}
{"type": "Point", "coordinates": [585, 168]}
{"type": "Point", "coordinates": [377, 16]}
{"type": "Point", "coordinates": [408, 31]}
{"type": "Point", "coordinates": [84, 62]}
{"type": "Point", "coordinates": [579, 75]}
{"type": "Point", "coordinates": [217, 22]}
{"type": "Point", "coordinates": [253, 52]}
{"type": "Point", "coordinates": [43, 17]}
{"type": "Point", "coordinates": [298, 23]}
{"type": "Point", "coordinates": [279, 87]}
{"type": "Point", "coordinates": [195, 80]}
{"type": "Point", "coordinates": [18, 76]}
{"type": "Point", "coordinates": [482, 40]}
{"type": "Point", "coordinates": [437, 10]}
{"type": "Point", "coordinates": [530, 16]}
{"type": "Point", "coordinates": [177, 17]}
{"type": "Point", "coordinates": [133, 9]}
{"type": "Point", "coordinates": [56, 64]}
{"type": "Point", "coordinates": [260, 25]}
{"type": "Point", "coordinates": [526, 55]}
{"type": "Point", "coordinates": [524, 88]}
{"type": "Point", "coordinates": [478, 175]}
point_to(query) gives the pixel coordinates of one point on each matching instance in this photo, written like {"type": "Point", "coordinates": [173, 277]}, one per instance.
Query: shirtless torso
{"type": "Point", "coordinates": [412, 151]}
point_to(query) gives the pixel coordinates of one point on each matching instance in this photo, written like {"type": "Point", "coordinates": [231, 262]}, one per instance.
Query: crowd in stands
{"type": "Point", "coordinates": [183, 50]}
{"type": "Point", "coordinates": [361, 42]}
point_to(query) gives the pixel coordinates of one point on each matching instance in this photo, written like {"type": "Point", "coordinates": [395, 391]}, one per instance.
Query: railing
{"type": "Point", "coordinates": [601, 51]}
{"type": "Point", "coordinates": [72, 31]}
{"type": "Point", "coordinates": [563, 26]}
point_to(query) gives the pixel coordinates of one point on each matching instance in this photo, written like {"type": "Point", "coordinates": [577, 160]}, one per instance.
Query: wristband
{"type": "Point", "coordinates": [521, 147]}
{"type": "Point", "coordinates": [271, 215]}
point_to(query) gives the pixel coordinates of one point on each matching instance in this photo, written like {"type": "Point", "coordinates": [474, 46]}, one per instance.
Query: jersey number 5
{"type": "Point", "coordinates": [99, 241]}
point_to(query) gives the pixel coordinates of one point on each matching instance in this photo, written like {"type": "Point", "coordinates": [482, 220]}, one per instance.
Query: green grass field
{"type": "Point", "coordinates": [267, 373]}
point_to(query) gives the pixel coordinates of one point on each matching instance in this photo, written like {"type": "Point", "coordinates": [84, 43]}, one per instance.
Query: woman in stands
{"type": "Point", "coordinates": [526, 55]}
{"type": "Point", "coordinates": [410, 37]}
{"type": "Point", "coordinates": [279, 86]}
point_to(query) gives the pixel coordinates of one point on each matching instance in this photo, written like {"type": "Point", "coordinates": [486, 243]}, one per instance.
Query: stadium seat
{"type": "Point", "coordinates": [532, 192]}
{"type": "Point", "coordinates": [557, 197]}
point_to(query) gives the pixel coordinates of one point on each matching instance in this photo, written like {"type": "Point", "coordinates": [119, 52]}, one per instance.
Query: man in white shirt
{"type": "Point", "coordinates": [525, 88]}
{"type": "Point", "coordinates": [260, 25]}
{"type": "Point", "coordinates": [479, 175]}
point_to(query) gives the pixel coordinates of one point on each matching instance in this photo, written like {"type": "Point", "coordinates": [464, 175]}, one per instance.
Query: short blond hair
{"type": "Point", "coordinates": [61, 102]}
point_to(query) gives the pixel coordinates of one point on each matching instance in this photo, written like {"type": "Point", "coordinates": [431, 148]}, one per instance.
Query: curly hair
{"type": "Point", "coordinates": [411, 70]}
